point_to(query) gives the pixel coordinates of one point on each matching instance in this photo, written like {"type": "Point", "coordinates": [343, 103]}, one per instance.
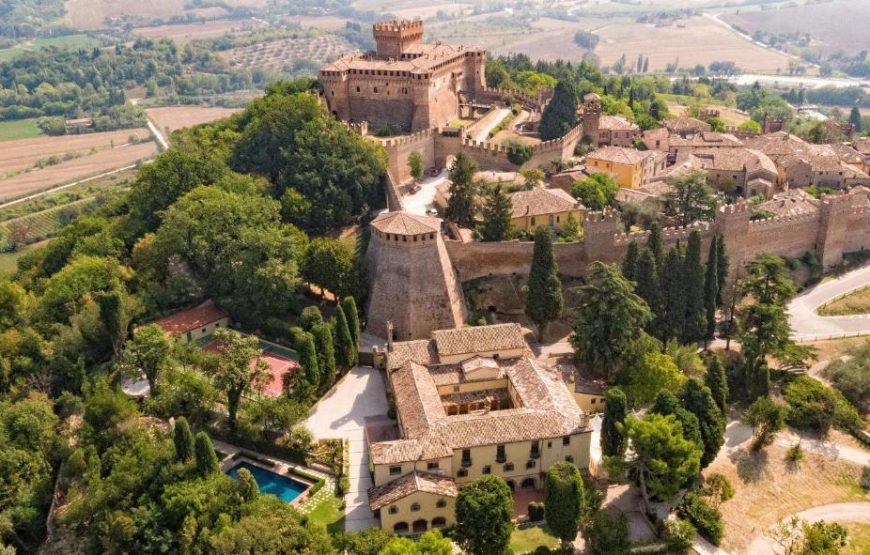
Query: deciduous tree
{"type": "Point", "coordinates": [415, 164]}
{"type": "Point", "coordinates": [233, 370]}
{"type": "Point", "coordinates": [148, 351]}
{"type": "Point", "coordinates": [596, 192]}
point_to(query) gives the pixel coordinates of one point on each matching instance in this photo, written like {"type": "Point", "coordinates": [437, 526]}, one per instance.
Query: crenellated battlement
{"type": "Point", "coordinates": [408, 139]}
{"type": "Point", "coordinates": [777, 221]}
{"type": "Point", "coordinates": [397, 25]}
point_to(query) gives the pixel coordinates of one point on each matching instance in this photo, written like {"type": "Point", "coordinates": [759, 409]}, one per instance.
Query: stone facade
{"type": "Point", "coordinates": [406, 84]}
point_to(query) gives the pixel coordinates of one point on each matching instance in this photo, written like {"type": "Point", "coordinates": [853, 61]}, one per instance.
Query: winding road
{"type": "Point", "coordinates": [807, 325]}
{"type": "Point", "coordinates": [836, 512]}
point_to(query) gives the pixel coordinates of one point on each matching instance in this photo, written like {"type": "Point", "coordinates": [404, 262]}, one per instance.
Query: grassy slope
{"type": "Point", "coordinates": [19, 129]}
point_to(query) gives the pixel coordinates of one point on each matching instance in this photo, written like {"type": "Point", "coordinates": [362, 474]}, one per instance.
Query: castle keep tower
{"type": "Point", "coordinates": [394, 37]}
{"type": "Point", "coordinates": [415, 287]}
{"type": "Point", "coordinates": [591, 117]}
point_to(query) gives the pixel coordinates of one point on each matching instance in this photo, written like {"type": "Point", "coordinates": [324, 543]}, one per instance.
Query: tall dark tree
{"type": "Point", "coordinates": [206, 458]}
{"type": "Point", "coordinates": [647, 284]}
{"type": "Point", "coordinates": [694, 326]}
{"type": "Point", "coordinates": [348, 306]}
{"type": "Point", "coordinates": [717, 381]}
{"type": "Point", "coordinates": [183, 439]}
{"type": "Point", "coordinates": [308, 360]}
{"type": "Point", "coordinates": [560, 115]}
{"type": "Point", "coordinates": [462, 205]}
{"type": "Point", "coordinates": [564, 500]}
{"type": "Point", "coordinates": [711, 290]}
{"type": "Point", "coordinates": [667, 403]}
{"type": "Point", "coordinates": [654, 243]}
{"type": "Point", "coordinates": [613, 442]}
{"type": "Point", "coordinates": [324, 344]}
{"type": "Point", "coordinates": [112, 315]}
{"type": "Point", "coordinates": [611, 315]}
{"type": "Point", "coordinates": [690, 199]}
{"type": "Point", "coordinates": [544, 296]}
{"type": "Point", "coordinates": [855, 119]}
{"type": "Point", "coordinates": [484, 509]}
{"type": "Point", "coordinates": [673, 295]}
{"type": "Point", "coordinates": [721, 269]}
{"type": "Point", "coordinates": [629, 263]}
{"type": "Point", "coordinates": [698, 400]}
{"type": "Point", "coordinates": [496, 213]}
{"type": "Point", "coordinates": [345, 352]}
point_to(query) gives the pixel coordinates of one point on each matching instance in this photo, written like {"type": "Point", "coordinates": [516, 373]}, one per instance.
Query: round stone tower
{"type": "Point", "coordinates": [413, 284]}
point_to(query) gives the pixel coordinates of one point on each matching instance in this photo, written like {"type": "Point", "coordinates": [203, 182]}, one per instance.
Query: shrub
{"type": "Point", "coordinates": [816, 407]}
{"type": "Point", "coordinates": [343, 485]}
{"type": "Point", "coordinates": [518, 153]}
{"type": "Point", "coordinates": [607, 534]}
{"type": "Point", "coordinates": [795, 453]}
{"type": "Point", "coordinates": [678, 534]}
{"type": "Point", "coordinates": [536, 511]}
{"type": "Point", "coordinates": [704, 516]}
{"type": "Point", "coordinates": [717, 487]}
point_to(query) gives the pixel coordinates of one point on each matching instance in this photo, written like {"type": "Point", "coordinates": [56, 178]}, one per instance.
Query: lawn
{"type": "Point", "coordinates": [20, 128]}
{"type": "Point", "coordinates": [9, 260]}
{"type": "Point", "coordinates": [330, 514]}
{"type": "Point", "coordinates": [858, 539]}
{"type": "Point", "coordinates": [67, 42]}
{"type": "Point", "coordinates": [857, 302]}
{"type": "Point", "coordinates": [526, 540]}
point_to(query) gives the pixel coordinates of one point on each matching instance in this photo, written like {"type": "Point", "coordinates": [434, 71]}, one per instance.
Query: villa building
{"type": "Point", "coordinates": [542, 206]}
{"type": "Point", "coordinates": [469, 402]}
{"type": "Point", "coordinates": [405, 84]}
{"type": "Point", "coordinates": [630, 167]}
{"type": "Point", "coordinates": [617, 131]}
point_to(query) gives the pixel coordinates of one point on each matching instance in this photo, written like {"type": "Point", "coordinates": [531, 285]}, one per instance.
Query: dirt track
{"type": "Point", "coordinates": [177, 117]}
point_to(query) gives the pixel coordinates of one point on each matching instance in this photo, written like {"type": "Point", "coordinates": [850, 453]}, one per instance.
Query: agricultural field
{"type": "Point", "coordinates": [19, 129]}
{"type": "Point", "coordinates": [695, 40]}
{"type": "Point", "coordinates": [70, 42]}
{"type": "Point", "coordinates": [172, 118]}
{"type": "Point", "coordinates": [75, 169]}
{"type": "Point", "coordinates": [184, 33]}
{"type": "Point", "coordinates": [25, 154]}
{"type": "Point", "coordinates": [92, 14]}
{"type": "Point", "coordinates": [9, 260]}
{"type": "Point", "coordinates": [823, 21]}
{"type": "Point", "coordinates": [44, 225]}
{"type": "Point", "coordinates": [279, 54]}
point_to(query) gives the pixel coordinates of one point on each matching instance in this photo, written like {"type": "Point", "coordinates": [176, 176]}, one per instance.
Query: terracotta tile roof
{"type": "Point", "coordinates": [708, 139]}
{"type": "Point", "coordinates": [417, 58]}
{"type": "Point", "coordinates": [387, 494]}
{"type": "Point", "coordinates": [862, 145]}
{"type": "Point", "coordinates": [403, 223]}
{"type": "Point", "coordinates": [190, 319]}
{"type": "Point", "coordinates": [791, 203]}
{"type": "Point", "coordinates": [479, 339]}
{"type": "Point", "coordinates": [416, 393]}
{"type": "Point", "coordinates": [540, 201]}
{"type": "Point", "coordinates": [421, 351]}
{"type": "Point", "coordinates": [616, 123]}
{"type": "Point", "coordinates": [619, 155]}
{"type": "Point", "coordinates": [685, 124]}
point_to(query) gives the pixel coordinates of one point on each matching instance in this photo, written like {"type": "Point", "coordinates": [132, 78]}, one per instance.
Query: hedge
{"type": "Point", "coordinates": [704, 516]}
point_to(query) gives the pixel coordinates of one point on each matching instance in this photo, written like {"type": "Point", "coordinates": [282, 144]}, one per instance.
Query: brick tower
{"type": "Point", "coordinates": [591, 117]}
{"type": "Point", "coordinates": [394, 37]}
{"type": "Point", "coordinates": [414, 284]}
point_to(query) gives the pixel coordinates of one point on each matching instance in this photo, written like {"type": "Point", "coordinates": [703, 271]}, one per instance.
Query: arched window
{"type": "Point", "coordinates": [393, 510]}
{"type": "Point", "coordinates": [439, 522]}
{"type": "Point", "coordinates": [420, 526]}
{"type": "Point", "coordinates": [400, 528]}
{"type": "Point", "coordinates": [415, 507]}
{"type": "Point", "coordinates": [441, 503]}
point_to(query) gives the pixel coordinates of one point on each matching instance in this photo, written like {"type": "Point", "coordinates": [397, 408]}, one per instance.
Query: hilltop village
{"type": "Point", "coordinates": [413, 306]}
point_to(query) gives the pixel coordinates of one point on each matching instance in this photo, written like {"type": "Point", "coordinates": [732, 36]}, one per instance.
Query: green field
{"type": "Point", "coordinates": [19, 129]}
{"type": "Point", "coordinates": [71, 42]}
{"type": "Point", "coordinates": [9, 260]}
{"type": "Point", "coordinates": [46, 224]}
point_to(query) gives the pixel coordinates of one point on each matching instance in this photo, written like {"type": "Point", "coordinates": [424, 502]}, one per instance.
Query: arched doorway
{"type": "Point", "coordinates": [528, 483]}
{"type": "Point", "coordinates": [511, 484]}
{"type": "Point", "coordinates": [400, 527]}
{"type": "Point", "coordinates": [420, 526]}
{"type": "Point", "coordinates": [439, 522]}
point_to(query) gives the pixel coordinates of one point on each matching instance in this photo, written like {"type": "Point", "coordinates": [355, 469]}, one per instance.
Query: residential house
{"type": "Point", "coordinates": [195, 323]}
{"type": "Point", "coordinates": [469, 402]}
{"type": "Point", "coordinates": [617, 131]}
{"type": "Point", "coordinates": [541, 206]}
{"type": "Point", "coordinates": [631, 168]}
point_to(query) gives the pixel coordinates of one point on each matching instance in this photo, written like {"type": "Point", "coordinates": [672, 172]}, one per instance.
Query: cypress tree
{"type": "Point", "coordinates": [183, 439]}
{"type": "Point", "coordinates": [308, 360]}
{"type": "Point", "coordinates": [698, 400]}
{"type": "Point", "coordinates": [564, 500]}
{"type": "Point", "coordinates": [717, 381]}
{"type": "Point", "coordinates": [667, 403]}
{"type": "Point", "coordinates": [249, 490]}
{"type": "Point", "coordinates": [629, 263]}
{"type": "Point", "coordinates": [463, 192]}
{"type": "Point", "coordinates": [344, 348]}
{"type": "Point", "coordinates": [721, 268]}
{"type": "Point", "coordinates": [544, 295]}
{"type": "Point", "coordinates": [647, 280]}
{"type": "Point", "coordinates": [348, 306]}
{"type": "Point", "coordinates": [673, 295]}
{"type": "Point", "coordinates": [613, 442]}
{"type": "Point", "coordinates": [325, 347]}
{"type": "Point", "coordinates": [496, 212]}
{"type": "Point", "coordinates": [654, 243]}
{"type": "Point", "coordinates": [206, 459]}
{"type": "Point", "coordinates": [711, 290]}
{"type": "Point", "coordinates": [693, 288]}
{"type": "Point", "coordinates": [311, 316]}
{"type": "Point", "coordinates": [560, 115]}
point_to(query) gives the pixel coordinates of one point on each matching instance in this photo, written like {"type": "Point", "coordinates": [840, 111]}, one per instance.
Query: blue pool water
{"type": "Point", "coordinates": [283, 487]}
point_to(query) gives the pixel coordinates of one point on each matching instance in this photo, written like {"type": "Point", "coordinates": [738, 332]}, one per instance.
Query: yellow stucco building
{"type": "Point", "coordinates": [469, 402]}
{"type": "Point", "coordinates": [629, 167]}
{"type": "Point", "coordinates": [544, 207]}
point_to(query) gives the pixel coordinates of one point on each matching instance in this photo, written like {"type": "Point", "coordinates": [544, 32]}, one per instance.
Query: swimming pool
{"type": "Point", "coordinates": [283, 487]}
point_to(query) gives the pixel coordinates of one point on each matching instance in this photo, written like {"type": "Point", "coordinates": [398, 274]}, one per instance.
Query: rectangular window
{"type": "Point", "coordinates": [487, 469]}
{"type": "Point", "coordinates": [567, 439]}
{"type": "Point", "coordinates": [509, 467]}
{"type": "Point", "coordinates": [462, 472]}
{"type": "Point", "coordinates": [535, 451]}
{"type": "Point", "coordinates": [432, 465]}
{"type": "Point", "coordinates": [466, 457]}
{"type": "Point", "coordinates": [395, 470]}
{"type": "Point", "coordinates": [531, 464]}
{"type": "Point", "coordinates": [499, 454]}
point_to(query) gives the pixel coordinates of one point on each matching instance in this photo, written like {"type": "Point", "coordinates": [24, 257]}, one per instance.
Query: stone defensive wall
{"type": "Point", "coordinates": [527, 101]}
{"type": "Point", "coordinates": [436, 148]}
{"type": "Point", "coordinates": [837, 228]}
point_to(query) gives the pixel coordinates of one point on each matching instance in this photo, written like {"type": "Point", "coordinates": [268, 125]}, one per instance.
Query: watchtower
{"type": "Point", "coordinates": [591, 117]}
{"type": "Point", "coordinates": [394, 37]}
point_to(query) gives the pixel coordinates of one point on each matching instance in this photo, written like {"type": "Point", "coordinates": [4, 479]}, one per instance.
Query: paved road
{"type": "Point", "coordinates": [806, 323]}
{"type": "Point", "coordinates": [489, 121]}
{"type": "Point", "coordinates": [836, 512]}
{"type": "Point", "coordinates": [424, 199]}
{"type": "Point", "coordinates": [342, 414]}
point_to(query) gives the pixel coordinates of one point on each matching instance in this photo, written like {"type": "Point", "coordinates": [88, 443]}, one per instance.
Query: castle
{"type": "Point", "coordinates": [405, 84]}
